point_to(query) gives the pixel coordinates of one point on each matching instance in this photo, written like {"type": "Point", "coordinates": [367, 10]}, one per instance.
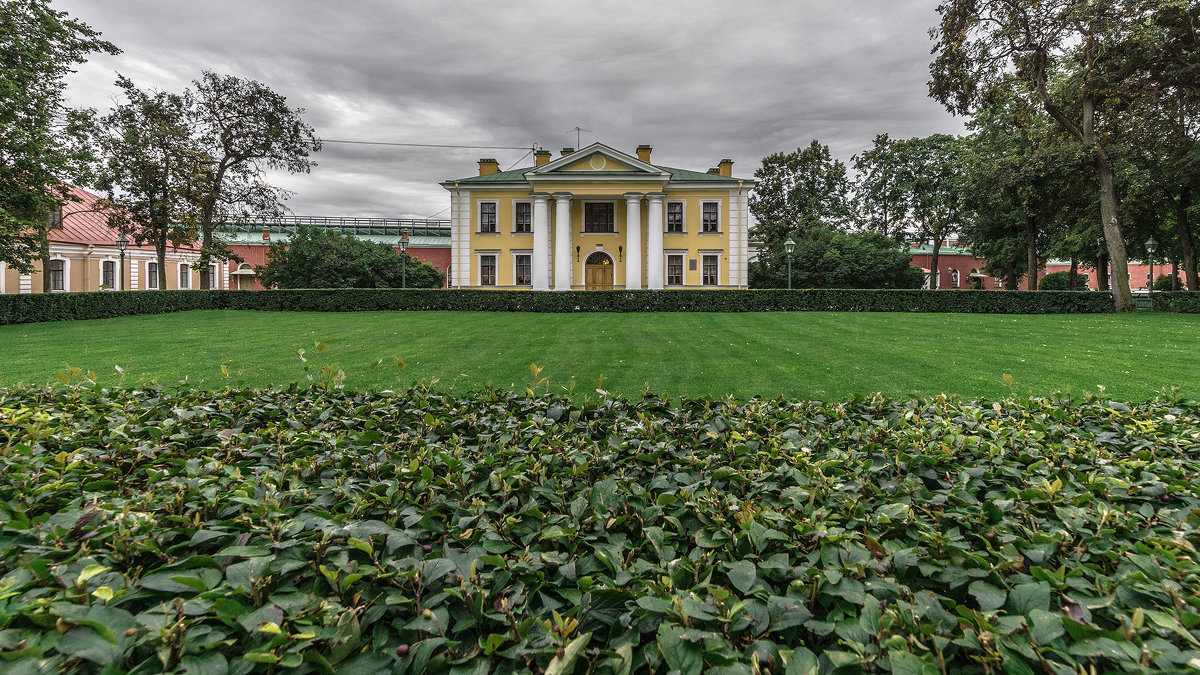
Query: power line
{"type": "Point", "coordinates": [429, 145]}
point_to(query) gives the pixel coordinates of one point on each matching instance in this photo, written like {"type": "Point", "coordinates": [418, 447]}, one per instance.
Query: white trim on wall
{"type": "Point", "coordinates": [667, 215]}
{"type": "Point", "coordinates": [479, 215]}
{"type": "Point", "coordinates": [514, 216]}
{"type": "Point", "coordinates": [3, 276]}
{"type": "Point", "coordinates": [515, 253]}
{"type": "Point", "coordinates": [479, 268]}
{"type": "Point", "coordinates": [66, 273]}
{"type": "Point", "coordinates": [720, 221]}
{"type": "Point", "coordinates": [707, 253]}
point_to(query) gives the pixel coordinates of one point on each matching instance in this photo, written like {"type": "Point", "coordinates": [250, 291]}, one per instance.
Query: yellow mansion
{"type": "Point", "coordinates": [598, 218]}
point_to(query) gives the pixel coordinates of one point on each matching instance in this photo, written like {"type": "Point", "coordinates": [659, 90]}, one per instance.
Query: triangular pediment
{"type": "Point", "coordinates": [597, 158]}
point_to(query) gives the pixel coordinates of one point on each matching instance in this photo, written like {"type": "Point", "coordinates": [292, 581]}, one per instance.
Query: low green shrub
{"type": "Point", "coordinates": [252, 531]}
{"type": "Point", "coordinates": [1176, 301]}
{"type": "Point", "coordinates": [1061, 281]}
{"type": "Point", "coordinates": [63, 306]}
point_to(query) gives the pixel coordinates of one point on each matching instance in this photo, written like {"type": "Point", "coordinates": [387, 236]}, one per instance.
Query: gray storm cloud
{"type": "Point", "coordinates": [699, 80]}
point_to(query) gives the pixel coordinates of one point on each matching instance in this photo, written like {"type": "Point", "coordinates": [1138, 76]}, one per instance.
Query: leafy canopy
{"type": "Point", "coordinates": [39, 136]}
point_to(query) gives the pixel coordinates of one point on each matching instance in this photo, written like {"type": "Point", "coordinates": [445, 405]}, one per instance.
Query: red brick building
{"type": "Point", "coordinates": [958, 268]}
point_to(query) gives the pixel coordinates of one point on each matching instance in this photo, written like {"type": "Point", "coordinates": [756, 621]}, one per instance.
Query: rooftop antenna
{"type": "Point", "coordinates": [577, 131]}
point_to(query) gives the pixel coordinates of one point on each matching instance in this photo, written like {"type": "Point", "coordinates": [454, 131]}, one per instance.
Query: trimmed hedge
{"type": "Point", "coordinates": [1176, 301]}
{"type": "Point", "coordinates": [30, 308]}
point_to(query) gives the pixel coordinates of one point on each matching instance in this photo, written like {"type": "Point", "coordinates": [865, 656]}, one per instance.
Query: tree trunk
{"type": "Point", "coordinates": [45, 245]}
{"type": "Point", "coordinates": [1122, 297]}
{"type": "Point", "coordinates": [160, 250]}
{"type": "Point", "coordinates": [1072, 282]}
{"type": "Point", "coordinates": [1174, 275]}
{"type": "Point", "coordinates": [1031, 260]}
{"type": "Point", "coordinates": [1184, 232]}
{"type": "Point", "coordinates": [1010, 279]}
{"type": "Point", "coordinates": [1102, 272]}
{"type": "Point", "coordinates": [933, 264]}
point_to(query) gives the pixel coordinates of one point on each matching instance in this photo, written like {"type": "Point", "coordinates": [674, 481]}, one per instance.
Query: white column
{"type": "Point", "coordinates": [541, 242]}
{"type": "Point", "coordinates": [562, 241]}
{"type": "Point", "coordinates": [654, 241]}
{"type": "Point", "coordinates": [633, 240]}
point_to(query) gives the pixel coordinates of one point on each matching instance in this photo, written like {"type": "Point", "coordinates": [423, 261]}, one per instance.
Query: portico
{"type": "Point", "coordinates": [598, 218]}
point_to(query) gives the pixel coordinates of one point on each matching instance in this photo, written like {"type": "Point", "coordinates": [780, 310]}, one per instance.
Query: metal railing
{"type": "Point", "coordinates": [346, 225]}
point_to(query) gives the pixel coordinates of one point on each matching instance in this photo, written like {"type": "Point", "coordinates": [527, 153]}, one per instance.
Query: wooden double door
{"type": "Point", "coordinates": [598, 272]}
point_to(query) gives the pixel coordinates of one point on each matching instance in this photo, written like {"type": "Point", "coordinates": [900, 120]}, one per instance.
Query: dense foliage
{"type": "Point", "coordinates": [245, 531]}
{"type": "Point", "coordinates": [28, 308]}
{"type": "Point", "coordinates": [1061, 281]}
{"type": "Point", "coordinates": [317, 258]}
{"type": "Point", "coordinates": [826, 258]}
{"type": "Point", "coordinates": [39, 148]}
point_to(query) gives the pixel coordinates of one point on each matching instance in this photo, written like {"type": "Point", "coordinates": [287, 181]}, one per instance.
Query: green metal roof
{"type": "Point", "coordinates": [518, 176]}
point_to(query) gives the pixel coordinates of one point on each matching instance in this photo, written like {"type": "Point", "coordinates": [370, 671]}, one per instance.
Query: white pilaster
{"type": "Point", "coordinates": [633, 240]}
{"type": "Point", "coordinates": [25, 283]}
{"type": "Point", "coordinates": [541, 242]}
{"type": "Point", "coordinates": [654, 241]}
{"type": "Point", "coordinates": [562, 241]}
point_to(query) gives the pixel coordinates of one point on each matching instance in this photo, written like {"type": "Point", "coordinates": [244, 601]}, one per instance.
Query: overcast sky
{"type": "Point", "coordinates": [697, 79]}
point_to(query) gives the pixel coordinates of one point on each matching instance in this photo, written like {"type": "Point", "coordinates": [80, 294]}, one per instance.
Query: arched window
{"type": "Point", "coordinates": [953, 278]}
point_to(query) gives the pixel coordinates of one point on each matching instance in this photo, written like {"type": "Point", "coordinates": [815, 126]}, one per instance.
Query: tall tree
{"type": "Point", "coordinates": [879, 199]}
{"type": "Point", "coordinates": [149, 169]}
{"type": "Point", "coordinates": [932, 175]}
{"type": "Point", "coordinates": [39, 151]}
{"type": "Point", "coordinates": [984, 46]}
{"type": "Point", "coordinates": [246, 129]}
{"type": "Point", "coordinates": [797, 193]}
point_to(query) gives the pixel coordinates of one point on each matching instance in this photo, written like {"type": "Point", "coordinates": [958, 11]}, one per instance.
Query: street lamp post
{"type": "Point", "coordinates": [1151, 247]}
{"type": "Point", "coordinates": [404, 260]}
{"type": "Point", "coordinates": [122, 243]}
{"type": "Point", "coordinates": [789, 246]}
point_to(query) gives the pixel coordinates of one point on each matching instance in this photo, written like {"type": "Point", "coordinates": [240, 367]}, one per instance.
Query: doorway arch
{"type": "Point", "coordinates": [598, 271]}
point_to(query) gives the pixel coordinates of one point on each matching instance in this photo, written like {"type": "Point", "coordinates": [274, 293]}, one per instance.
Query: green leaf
{"type": "Point", "coordinates": [1045, 627]}
{"type": "Point", "coordinates": [742, 575]}
{"type": "Point", "coordinates": [988, 596]}
{"type": "Point", "coordinates": [85, 643]}
{"type": "Point", "coordinates": [558, 666]}
{"type": "Point", "coordinates": [682, 655]}
{"type": "Point", "coordinates": [1027, 597]}
{"type": "Point", "coordinates": [209, 663]}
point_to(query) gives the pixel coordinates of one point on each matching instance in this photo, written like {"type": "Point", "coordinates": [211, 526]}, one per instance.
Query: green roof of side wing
{"type": "Point", "coordinates": [518, 176]}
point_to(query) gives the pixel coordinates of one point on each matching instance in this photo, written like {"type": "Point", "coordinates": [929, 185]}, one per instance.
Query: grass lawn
{"type": "Point", "coordinates": [802, 354]}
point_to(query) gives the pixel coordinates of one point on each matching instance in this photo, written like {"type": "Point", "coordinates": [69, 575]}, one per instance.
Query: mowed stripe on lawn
{"type": "Point", "coordinates": [798, 354]}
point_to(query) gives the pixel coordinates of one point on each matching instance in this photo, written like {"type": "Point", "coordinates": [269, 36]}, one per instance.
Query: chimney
{"type": "Point", "coordinates": [725, 166]}
{"type": "Point", "coordinates": [488, 166]}
{"type": "Point", "coordinates": [715, 171]}
{"type": "Point", "coordinates": [643, 153]}
{"type": "Point", "coordinates": [541, 157]}
{"type": "Point", "coordinates": [567, 151]}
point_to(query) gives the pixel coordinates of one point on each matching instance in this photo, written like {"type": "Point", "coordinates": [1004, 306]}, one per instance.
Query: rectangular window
{"type": "Point", "coordinates": [152, 275]}
{"type": "Point", "coordinates": [185, 276]}
{"type": "Point", "coordinates": [56, 275]}
{"type": "Point", "coordinates": [709, 218]}
{"type": "Point", "coordinates": [524, 266]}
{"type": "Point", "coordinates": [108, 274]}
{"type": "Point", "coordinates": [674, 216]}
{"type": "Point", "coordinates": [487, 270]}
{"type": "Point", "coordinates": [675, 270]}
{"type": "Point", "coordinates": [55, 219]}
{"type": "Point", "coordinates": [598, 217]}
{"type": "Point", "coordinates": [487, 216]}
{"type": "Point", "coordinates": [708, 275]}
{"type": "Point", "coordinates": [524, 217]}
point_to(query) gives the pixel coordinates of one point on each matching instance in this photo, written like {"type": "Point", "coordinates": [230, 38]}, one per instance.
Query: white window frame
{"type": "Point", "coordinates": [516, 253]}
{"type": "Point", "coordinates": [954, 278]}
{"type": "Point", "coordinates": [66, 273]}
{"type": "Point", "coordinates": [514, 216]}
{"type": "Point", "coordinates": [3, 276]}
{"type": "Point", "coordinates": [151, 282]}
{"type": "Point", "coordinates": [479, 216]}
{"type": "Point", "coordinates": [719, 229]}
{"type": "Point", "coordinates": [182, 267]}
{"type": "Point", "coordinates": [682, 268]}
{"type": "Point", "coordinates": [667, 215]}
{"type": "Point", "coordinates": [717, 255]}
{"type": "Point", "coordinates": [583, 217]}
{"type": "Point", "coordinates": [479, 256]}
{"type": "Point", "coordinates": [116, 273]}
